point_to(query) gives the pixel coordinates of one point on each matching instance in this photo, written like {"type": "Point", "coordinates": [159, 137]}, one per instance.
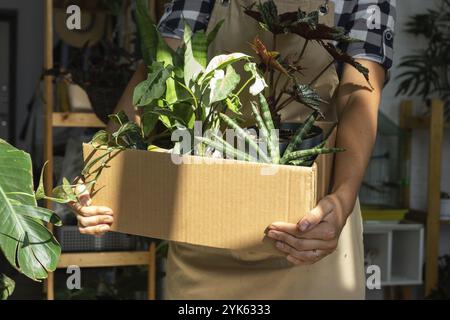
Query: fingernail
{"type": "Point", "coordinates": [104, 228]}
{"type": "Point", "coordinates": [109, 220]}
{"type": "Point", "coordinates": [304, 225]}
{"type": "Point", "coordinates": [109, 212]}
{"type": "Point", "coordinates": [272, 234]}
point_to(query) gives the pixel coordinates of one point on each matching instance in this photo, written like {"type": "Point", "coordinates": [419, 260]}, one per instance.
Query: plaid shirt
{"type": "Point", "coordinates": [371, 21]}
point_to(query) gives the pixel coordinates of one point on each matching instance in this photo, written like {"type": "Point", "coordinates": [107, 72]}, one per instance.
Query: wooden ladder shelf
{"type": "Point", "coordinates": [435, 125]}
{"type": "Point", "coordinates": [57, 119]}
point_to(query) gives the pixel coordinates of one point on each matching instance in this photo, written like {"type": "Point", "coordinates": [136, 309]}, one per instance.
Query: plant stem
{"type": "Point", "coordinates": [283, 89]}
{"type": "Point", "coordinates": [321, 73]}
{"type": "Point", "coordinates": [284, 103]}
{"type": "Point", "coordinates": [245, 85]}
{"type": "Point", "coordinates": [272, 72]}
{"type": "Point", "coordinates": [300, 56]}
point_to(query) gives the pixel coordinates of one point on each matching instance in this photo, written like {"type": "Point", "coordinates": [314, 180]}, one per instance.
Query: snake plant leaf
{"type": "Point", "coordinates": [223, 84]}
{"type": "Point", "coordinates": [273, 145]}
{"type": "Point", "coordinates": [192, 67]}
{"type": "Point", "coordinates": [153, 87]}
{"type": "Point", "coordinates": [226, 149]}
{"type": "Point", "coordinates": [148, 33]}
{"type": "Point", "coordinates": [7, 286]}
{"type": "Point", "coordinates": [245, 136]}
{"type": "Point", "coordinates": [200, 47]}
{"type": "Point", "coordinates": [25, 241]}
{"type": "Point", "coordinates": [213, 33]}
{"type": "Point", "coordinates": [304, 154]}
{"type": "Point", "coordinates": [306, 95]}
{"type": "Point", "coordinates": [261, 125]}
{"type": "Point", "coordinates": [301, 133]}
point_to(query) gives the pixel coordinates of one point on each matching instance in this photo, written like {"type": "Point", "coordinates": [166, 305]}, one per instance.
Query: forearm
{"type": "Point", "coordinates": [357, 128]}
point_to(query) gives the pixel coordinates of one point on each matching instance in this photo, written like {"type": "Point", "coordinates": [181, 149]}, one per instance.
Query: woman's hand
{"type": "Point", "coordinates": [93, 220]}
{"type": "Point", "coordinates": [315, 236]}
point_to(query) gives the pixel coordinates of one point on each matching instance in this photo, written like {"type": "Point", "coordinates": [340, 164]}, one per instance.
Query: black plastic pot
{"type": "Point", "coordinates": [287, 132]}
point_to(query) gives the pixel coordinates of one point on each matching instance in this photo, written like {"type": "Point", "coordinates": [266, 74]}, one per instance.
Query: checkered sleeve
{"type": "Point", "coordinates": [372, 22]}
{"type": "Point", "coordinates": [196, 13]}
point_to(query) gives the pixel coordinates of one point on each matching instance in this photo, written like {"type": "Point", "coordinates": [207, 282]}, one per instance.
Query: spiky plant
{"type": "Point", "coordinates": [291, 155]}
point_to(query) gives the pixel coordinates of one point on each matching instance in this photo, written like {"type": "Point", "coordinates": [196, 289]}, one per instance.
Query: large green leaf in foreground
{"type": "Point", "coordinates": [6, 286]}
{"type": "Point", "coordinates": [25, 241]}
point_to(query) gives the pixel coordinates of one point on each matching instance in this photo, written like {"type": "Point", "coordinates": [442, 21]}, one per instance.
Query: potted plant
{"type": "Point", "coordinates": [183, 88]}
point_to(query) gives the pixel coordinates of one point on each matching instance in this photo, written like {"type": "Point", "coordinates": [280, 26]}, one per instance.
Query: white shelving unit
{"type": "Point", "coordinates": [397, 249]}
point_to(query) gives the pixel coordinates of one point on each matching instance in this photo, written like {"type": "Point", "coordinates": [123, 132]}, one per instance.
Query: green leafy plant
{"type": "Point", "coordinates": [427, 72]}
{"type": "Point", "coordinates": [25, 240]}
{"type": "Point", "coordinates": [183, 88]}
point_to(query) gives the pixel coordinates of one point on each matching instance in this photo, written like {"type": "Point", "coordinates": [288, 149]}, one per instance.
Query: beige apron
{"type": "Point", "coordinates": [195, 272]}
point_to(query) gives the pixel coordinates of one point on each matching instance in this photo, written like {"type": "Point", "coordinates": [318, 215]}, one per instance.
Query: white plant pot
{"type": "Point", "coordinates": [445, 209]}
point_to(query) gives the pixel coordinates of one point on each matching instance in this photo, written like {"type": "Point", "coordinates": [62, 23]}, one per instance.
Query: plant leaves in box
{"type": "Point", "coordinates": [148, 122]}
{"type": "Point", "coordinates": [192, 67]}
{"type": "Point", "coordinates": [221, 62]}
{"type": "Point", "coordinates": [153, 87]}
{"type": "Point", "coordinates": [260, 84]}
{"type": "Point", "coordinates": [223, 83]}
{"type": "Point", "coordinates": [25, 241]}
{"type": "Point", "coordinates": [7, 286]}
{"type": "Point", "coordinates": [341, 56]}
{"type": "Point", "coordinates": [148, 34]}
{"type": "Point", "coordinates": [268, 58]}
{"type": "Point", "coordinates": [306, 95]}
{"type": "Point", "coordinates": [130, 135]}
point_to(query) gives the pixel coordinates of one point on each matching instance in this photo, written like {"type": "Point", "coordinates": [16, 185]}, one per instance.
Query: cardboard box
{"type": "Point", "coordinates": [224, 204]}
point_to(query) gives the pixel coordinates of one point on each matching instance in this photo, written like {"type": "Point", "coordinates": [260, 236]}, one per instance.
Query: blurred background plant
{"type": "Point", "coordinates": [426, 72]}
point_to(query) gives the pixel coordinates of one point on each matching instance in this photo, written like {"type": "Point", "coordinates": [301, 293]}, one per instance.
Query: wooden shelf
{"type": "Point", "coordinates": [445, 221]}
{"type": "Point", "coordinates": [435, 124]}
{"type": "Point", "coordinates": [76, 119]}
{"type": "Point", "coordinates": [422, 123]}
{"type": "Point", "coordinates": [105, 259]}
